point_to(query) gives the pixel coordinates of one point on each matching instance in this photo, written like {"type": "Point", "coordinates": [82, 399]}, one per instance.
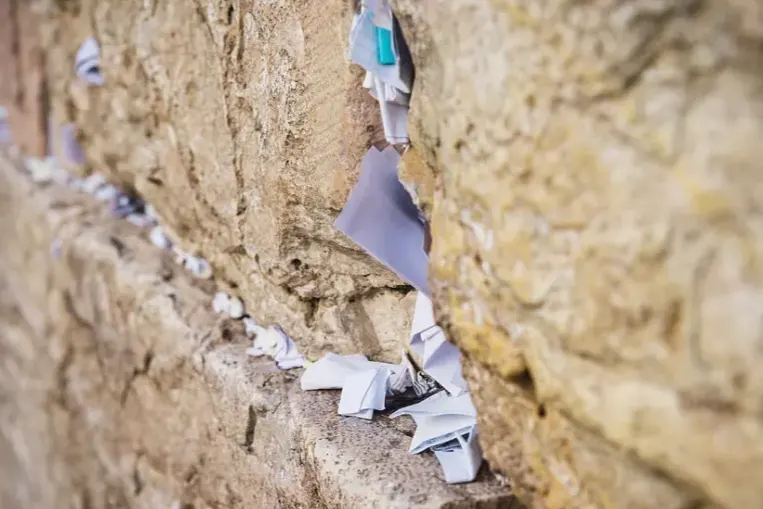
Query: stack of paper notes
{"type": "Point", "coordinates": [436, 399]}
{"type": "Point", "coordinates": [377, 44]}
{"type": "Point", "coordinates": [447, 425]}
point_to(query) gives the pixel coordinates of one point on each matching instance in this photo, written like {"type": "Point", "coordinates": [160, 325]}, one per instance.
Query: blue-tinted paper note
{"type": "Point", "coordinates": [381, 218]}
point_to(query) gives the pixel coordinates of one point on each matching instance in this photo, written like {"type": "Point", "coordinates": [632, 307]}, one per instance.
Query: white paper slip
{"type": "Point", "coordinates": [394, 115]}
{"type": "Point", "coordinates": [274, 342]}
{"type": "Point", "coordinates": [383, 92]}
{"type": "Point", "coordinates": [93, 183]}
{"type": "Point", "coordinates": [363, 392]}
{"type": "Point", "coordinates": [381, 218]}
{"type": "Point", "coordinates": [439, 357]}
{"type": "Point", "coordinates": [448, 426]}
{"type": "Point", "coordinates": [393, 105]}
{"type": "Point", "coordinates": [332, 370]}
{"type": "Point", "coordinates": [87, 63]}
{"type": "Point", "coordinates": [423, 319]}
{"type": "Point", "coordinates": [460, 458]}
{"type": "Point", "coordinates": [439, 419]}
{"type": "Point", "coordinates": [381, 12]}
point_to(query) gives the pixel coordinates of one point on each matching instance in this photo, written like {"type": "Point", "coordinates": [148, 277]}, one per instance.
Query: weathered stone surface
{"type": "Point", "coordinates": [120, 388]}
{"type": "Point", "coordinates": [597, 245]}
{"type": "Point", "coordinates": [244, 125]}
{"type": "Point", "coordinates": [22, 65]}
{"type": "Point", "coordinates": [589, 169]}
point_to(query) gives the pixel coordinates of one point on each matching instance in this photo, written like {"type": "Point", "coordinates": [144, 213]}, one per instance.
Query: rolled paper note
{"type": "Point", "coordinates": [385, 54]}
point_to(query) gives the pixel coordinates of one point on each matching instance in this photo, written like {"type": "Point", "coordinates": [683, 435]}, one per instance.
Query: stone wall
{"type": "Point", "coordinates": [596, 239]}
{"type": "Point", "coordinates": [243, 125]}
{"type": "Point", "coordinates": [121, 388]}
{"type": "Point", "coordinates": [590, 173]}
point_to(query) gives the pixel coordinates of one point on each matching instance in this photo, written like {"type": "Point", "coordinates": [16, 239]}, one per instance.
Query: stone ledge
{"type": "Point", "coordinates": [148, 397]}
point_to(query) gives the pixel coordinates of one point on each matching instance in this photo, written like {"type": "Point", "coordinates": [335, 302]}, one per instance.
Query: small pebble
{"type": "Point", "coordinates": [221, 302]}
{"type": "Point", "coordinates": [159, 239]}
{"type": "Point", "coordinates": [236, 309]}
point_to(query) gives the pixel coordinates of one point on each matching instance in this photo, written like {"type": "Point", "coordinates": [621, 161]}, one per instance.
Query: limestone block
{"type": "Point", "coordinates": [597, 247]}
{"type": "Point", "coordinates": [244, 125]}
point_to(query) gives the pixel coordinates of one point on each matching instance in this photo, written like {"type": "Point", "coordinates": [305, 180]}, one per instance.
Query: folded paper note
{"type": "Point", "coordinates": [87, 63]}
{"type": "Point", "coordinates": [380, 217]}
{"type": "Point", "coordinates": [448, 426]}
{"type": "Point", "coordinates": [275, 343]}
{"type": "Point", "coordinates": [393, 105]}
{"type": "Point", "coordinates": [332, 370]}
{"type": "Point", "coordinates": [363, 50]}
{"type": "Point", "coordinates": [439, 418]}
{"type": "Point", "coordinates": [367, 385]}
{"type": "Point", "coordinates": [363, 392]}
{"type": "Point", "coordinates": [460, 458]}
{"type": "Point", "coordinates": [381, 12]}
{"type": "Point", "coordinates": [439, 357]}
{"type": "Point", "coordinates": [364, 383]}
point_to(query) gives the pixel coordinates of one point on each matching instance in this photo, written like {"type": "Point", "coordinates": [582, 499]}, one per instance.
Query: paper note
{"type": "Point", "coordinates": [460, 458]}
{"type": "Point", "coordinates": [381, 12]}
{"type": "Point", "coordinates": [440, 358]}
{"type": "Point", "coordinates": [363, 392]}
{"type": "Point", "coordinates": [380, 217]}
{"type": "Point", "coordinates": [88, 61]}
{"type": "Point", "coordinates": [393, 105]}
{"type": "Point", "coordinates": [332, 370]}
{"type": "Point", "coordinates": [439, 419]}
{"type": "Point", "coordinates": [448, 426]}
{"type": "Point", "coordinates": [394, 115]}
{"type": "Point", "coordinates": [363, 51]}
{"type": "Point", "coordinates": [368, 385]}
{"type": "Point", "coordinates": [274, 342]}
{"type": "Point", "coordinates": [364, 383]}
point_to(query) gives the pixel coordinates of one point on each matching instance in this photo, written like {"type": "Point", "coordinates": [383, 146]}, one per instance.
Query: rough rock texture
{"type": "Point", "coordinates": [120, 388]}
{"type": "Point", "coordinates": [22, 75]}
{"type": "Point", "coordinates": [597, 239]}
{"type": "Point", "coordinates": [590, 173]}
{"type": "Point", "coordinates": [244, 125]}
